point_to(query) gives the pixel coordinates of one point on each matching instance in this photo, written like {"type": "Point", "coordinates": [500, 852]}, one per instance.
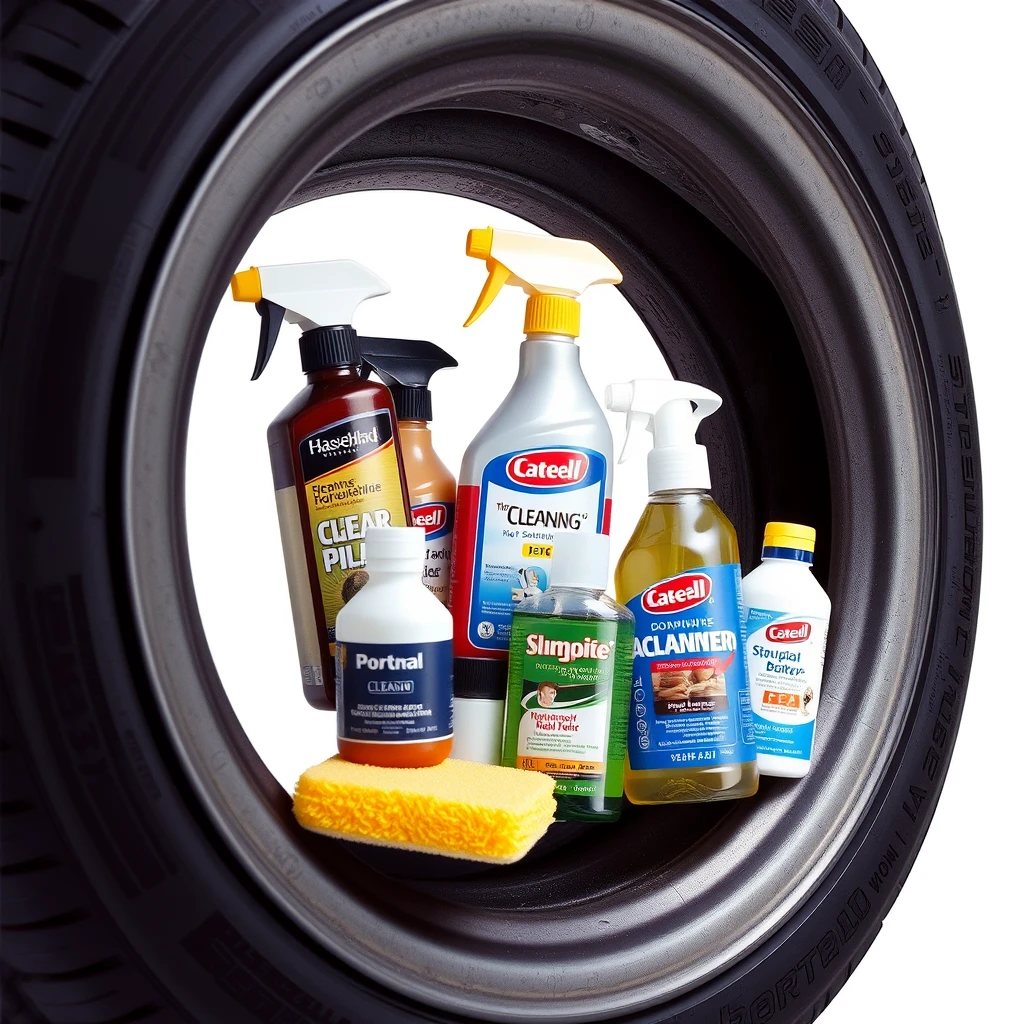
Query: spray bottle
{"type": "Point", "coordinates": [691, 732]}
{"type": "Point", "coordinates": [334, 453]}
{"type": "Point", "coordinates": [541, 463]}
{"type": "Point", "coordinates": [406, 367]}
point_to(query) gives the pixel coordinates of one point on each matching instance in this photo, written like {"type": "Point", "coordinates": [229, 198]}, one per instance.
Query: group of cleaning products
{"type": "Point", "coordinates": [534, 668]}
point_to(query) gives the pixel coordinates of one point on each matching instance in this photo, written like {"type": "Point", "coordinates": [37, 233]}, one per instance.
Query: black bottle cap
{"type": "Point", "coordinates": [323, 348]}
{"type": "Point", "coordinates": [412, 403]}
{"type": "Point", "coordinates": [406, 367]}
{"type": "Point", "coordinates": [483, 678]}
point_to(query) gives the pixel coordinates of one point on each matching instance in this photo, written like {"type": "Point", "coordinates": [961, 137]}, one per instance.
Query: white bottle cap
{"type": "Point", "coordinates": [579, 560]}
{"type": "Point", "coordinates": [394, 548]}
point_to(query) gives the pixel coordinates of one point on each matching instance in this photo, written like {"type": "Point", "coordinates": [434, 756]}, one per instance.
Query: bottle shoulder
{"type": "Point", "coordinates": [786, 586]}
{"type": "Point", "coordinates": [394, 611]}
{"type": "Point", "coordinates": [429, 479]}
{"type": "Point", "coordinates": [545, 407]}
{"type": "Point", "coordinates": [574, 603]}
{"type": "Point", "coordinates": [677, 531]}
{"type": "Point", "coordinates": [323, 403]}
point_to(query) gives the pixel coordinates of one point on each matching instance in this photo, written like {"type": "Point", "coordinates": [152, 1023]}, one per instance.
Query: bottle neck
{"type": "Point", "coordinates": [562, 339]}
{"type": "Point", "coordinates": [803, 559]}
{"type": "Point", "coordinates": [554, 354]}
{"type": "Point", "coordinates": [393, 571]}
{"type": "Point", "coordinates": [673, 494]}
{"type": "Point", "coordinates": [332, 374]}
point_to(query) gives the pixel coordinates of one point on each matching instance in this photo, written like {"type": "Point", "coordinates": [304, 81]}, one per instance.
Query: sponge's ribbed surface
{"type": "Point", "coordinates": [457, 808]}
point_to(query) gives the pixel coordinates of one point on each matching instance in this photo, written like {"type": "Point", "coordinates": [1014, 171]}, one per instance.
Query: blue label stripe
{"type": "Point", "coordinates": [495, 472]}
{"type": "Point", "coordinates": [394, 693]}
{"type": "Point", "coordinates": [691, 699]}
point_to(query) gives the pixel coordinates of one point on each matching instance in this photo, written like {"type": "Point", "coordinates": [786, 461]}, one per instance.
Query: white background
{"type": "Point", "coordinates": [950, 947]}
{"type": "Point", "coordinates": [947, 949]}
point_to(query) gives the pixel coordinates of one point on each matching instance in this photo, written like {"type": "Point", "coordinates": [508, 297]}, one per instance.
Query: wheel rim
{"type": "Point", "coordinates": [665, 91]}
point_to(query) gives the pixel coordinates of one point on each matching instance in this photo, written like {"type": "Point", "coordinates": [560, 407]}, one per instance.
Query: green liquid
{"type": "Point", "coordinates": [567, 708]}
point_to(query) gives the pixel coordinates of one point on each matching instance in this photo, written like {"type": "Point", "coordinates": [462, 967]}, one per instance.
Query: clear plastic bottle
{"type": "Point", "coordinates": [570, 661]}
{"type": "Point", "coordinates": [690, 734]}
{"type": "Point", "coordinates": [681, 530]}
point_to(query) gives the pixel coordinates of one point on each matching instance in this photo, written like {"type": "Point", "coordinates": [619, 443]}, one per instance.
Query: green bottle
{"type": "Point", "coordinates": [569, 671]}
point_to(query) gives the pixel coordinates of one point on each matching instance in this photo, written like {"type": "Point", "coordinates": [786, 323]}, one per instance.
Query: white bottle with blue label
{"type": "Point", "coordinates": [787, 613]}
{"type": "Point", "coordinates": [541, 463]}
{"type": "Point", "coordinates": [394, 660]}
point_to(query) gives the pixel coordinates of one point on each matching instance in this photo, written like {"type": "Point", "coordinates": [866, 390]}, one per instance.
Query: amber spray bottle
{"type": "Point", "coordinates": [334, 449]}
{"type": "Point", "coordinates": [406, 367]}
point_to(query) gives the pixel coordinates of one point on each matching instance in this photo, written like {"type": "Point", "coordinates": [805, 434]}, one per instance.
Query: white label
{"type": "Point", "coordinates": [785, 655]}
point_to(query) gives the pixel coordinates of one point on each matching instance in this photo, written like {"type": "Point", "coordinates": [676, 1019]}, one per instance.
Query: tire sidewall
{"type": "Point", "coordinates": [76, 299]}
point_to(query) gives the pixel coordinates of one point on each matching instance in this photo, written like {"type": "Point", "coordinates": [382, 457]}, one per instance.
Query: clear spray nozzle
{"type": "Point", "coordinates": [671, 410]}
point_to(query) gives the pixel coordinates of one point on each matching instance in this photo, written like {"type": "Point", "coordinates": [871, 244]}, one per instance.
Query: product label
{"type": "Point", "coordinates": [691, 702]}
{"type": "Point", "coordinates": [785, 655]}
{"type": "Point", "coordinates": [351, 480]}
{"type": "Point", "coordinates": [394, 693]}
{"type": "Point", "coordinates": [525, 497]}
{"type": "Point", "coordinates": [561, 718]}
{"type": "Point", "coordinates": [438, 519]}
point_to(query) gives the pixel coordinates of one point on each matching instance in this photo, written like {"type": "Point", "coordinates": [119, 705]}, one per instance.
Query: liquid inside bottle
{"type": "Point", "coordinates": [568, 696]}
{"type": "Point", "coordinates": [679, 531]}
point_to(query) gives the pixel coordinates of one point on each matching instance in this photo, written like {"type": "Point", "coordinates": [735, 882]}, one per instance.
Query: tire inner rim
{"type": "Point", "coordinates": [671, 94]}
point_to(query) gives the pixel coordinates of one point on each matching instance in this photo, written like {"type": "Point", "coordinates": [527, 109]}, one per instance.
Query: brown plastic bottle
{"type": "Point", "coordinates": [334, 451]}
{"type": "Point", "coordinates": [337, 466]}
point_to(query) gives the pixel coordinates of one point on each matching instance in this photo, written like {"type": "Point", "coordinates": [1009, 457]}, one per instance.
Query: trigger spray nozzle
{"type": "Point", "coordinates": [406, 367]}
{"type": "Point", "coordinates": [671, 410]}
{"type": "Point", "coordinates": [319, 297]}
{"type": "Point", "coordinates": [554, 273]}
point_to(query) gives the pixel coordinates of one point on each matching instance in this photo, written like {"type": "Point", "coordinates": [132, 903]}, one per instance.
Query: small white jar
{"type": "Point", "coordinates": [394, 659]}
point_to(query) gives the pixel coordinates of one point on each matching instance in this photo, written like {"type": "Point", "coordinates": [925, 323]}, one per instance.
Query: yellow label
{"type": "Point", "coordinates": [538, 550]}
{"type": "Point", "coordinates": [352, 482]}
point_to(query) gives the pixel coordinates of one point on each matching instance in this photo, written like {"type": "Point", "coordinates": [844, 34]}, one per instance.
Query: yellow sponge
{"type": "Point", "coordinates": [457, 808]}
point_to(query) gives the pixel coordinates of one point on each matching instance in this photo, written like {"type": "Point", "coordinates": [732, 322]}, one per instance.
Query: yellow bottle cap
{"type": "Point", "coordinates": [552, 314]}
{"type": "Point", "coordinates": [246, 286]}
{"type": "Point", "coordinates": [789, 535]}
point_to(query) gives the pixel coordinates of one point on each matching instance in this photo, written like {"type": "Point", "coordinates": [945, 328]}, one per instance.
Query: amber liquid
{"type": "Point", "coordinates": [428, 479]}
{"type": "Point", "coordinates": [396, 755]}
{"type": "Point", "coordinates": [329, 396]}
{"type": "Point", "coordinates": [680, 530]}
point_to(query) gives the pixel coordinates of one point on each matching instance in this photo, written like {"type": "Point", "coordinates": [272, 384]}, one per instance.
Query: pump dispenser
{"type": "Point", "coordinates": [406, 368]}
{"type": "Point", "coordinates": [691, 732]}
{"type": "Point", "coordinates": [541, 463]}
{"type": "Point", "coordinates": [334, 450]}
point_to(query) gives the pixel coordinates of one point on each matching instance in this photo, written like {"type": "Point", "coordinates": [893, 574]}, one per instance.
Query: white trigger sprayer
{"type": "Point", "coordinates": [671, 410]}
{"type": "Point", "coordinates": [311, 295]}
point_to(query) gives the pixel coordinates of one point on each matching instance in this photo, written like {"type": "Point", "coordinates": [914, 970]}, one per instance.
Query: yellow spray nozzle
{"type": "Point", "coordinates": [496, 280]}
{"type": "Point", "coordinates": [478, 243]}
{"type": "Point", "coordinates": [553, 272]}
{"type": "Point", "coordinates": [246, 286]}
